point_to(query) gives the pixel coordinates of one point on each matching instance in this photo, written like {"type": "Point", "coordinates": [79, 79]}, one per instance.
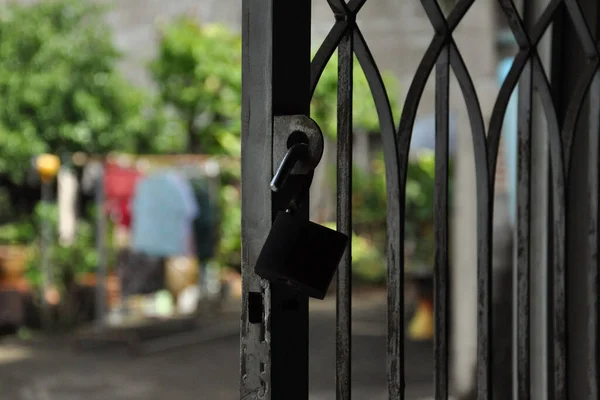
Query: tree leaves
{"type": "Point", "coordinates": [60, 88]}
{"type": "Point", "coordinates": [198, 73]}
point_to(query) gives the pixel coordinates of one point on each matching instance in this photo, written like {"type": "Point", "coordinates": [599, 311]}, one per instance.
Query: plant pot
{"type": "Point", "coordinates": [13, 262]}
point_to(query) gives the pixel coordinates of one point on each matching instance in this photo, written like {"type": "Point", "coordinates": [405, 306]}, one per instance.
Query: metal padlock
{"type": "Point", "coordinates": [297, 252]}
{"type": "Point", "coordinates": [301, 254]}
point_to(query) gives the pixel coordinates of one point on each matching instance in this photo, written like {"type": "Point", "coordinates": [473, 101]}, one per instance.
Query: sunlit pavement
{"type": "Point", "coordinates": [54, 371]}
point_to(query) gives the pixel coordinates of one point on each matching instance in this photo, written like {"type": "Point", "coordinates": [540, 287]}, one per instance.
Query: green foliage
{"type": "Point", "coordinates": [65, 260]}
{"type": "Point", "coordinates": [60, 89]}
{"type": "Point", "coordinates": [230, 245]}
{"type": "Point", "coordinates": [368, 262]}
{"type": "Point", "coordinates": [22, 232]}
{"type": "Point", "coordinates": [369, 193]}
{"type": "Point", "coordinates": [420, 187]}
{"type": "Point", "coordinates": [198, 73]}
{"type": "Point", "coordinates": [369, 202]}
{"type": "Point", "coordinates": [365, 118]}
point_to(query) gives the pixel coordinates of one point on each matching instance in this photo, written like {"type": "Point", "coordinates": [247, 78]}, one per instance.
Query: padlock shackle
{"type": "Point", "coordinates": [296, 153]}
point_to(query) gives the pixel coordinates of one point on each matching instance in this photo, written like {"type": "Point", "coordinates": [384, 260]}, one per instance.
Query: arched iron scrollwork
{"type": "Point", "coordinates": [348, 39]}
{"type": "Point", "coordinates": [396, 147]}
{"type": "Point", "coordinates": [527, 68]}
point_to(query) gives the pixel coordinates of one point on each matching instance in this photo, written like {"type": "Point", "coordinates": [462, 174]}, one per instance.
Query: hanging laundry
{"type": "Point", "coordinates": [140, 273]}
{"type": "Point", "coordinates": [163, 209]}
{"type": "Point", "coordinates": [67, 205]}
{"type": "Point", "coordinates": [119, 210]}
{"type": "Point", "coordinates": [206, 224]}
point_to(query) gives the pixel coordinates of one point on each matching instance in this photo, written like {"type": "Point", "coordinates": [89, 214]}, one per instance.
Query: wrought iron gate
{"type": "Point", "coordinates": [279, 78]}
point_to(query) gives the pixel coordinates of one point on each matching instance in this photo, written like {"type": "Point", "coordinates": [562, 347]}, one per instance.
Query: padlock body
{"type": "Point", "coordinates": [302, 254]}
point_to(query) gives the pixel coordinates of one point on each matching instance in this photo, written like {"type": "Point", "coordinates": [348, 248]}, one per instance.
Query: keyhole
{"type": "Point", "coordinates": [297, 137]}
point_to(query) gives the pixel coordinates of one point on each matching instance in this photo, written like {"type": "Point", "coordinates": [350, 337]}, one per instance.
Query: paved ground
{"type": "Point", "coordinates": [45, 371]}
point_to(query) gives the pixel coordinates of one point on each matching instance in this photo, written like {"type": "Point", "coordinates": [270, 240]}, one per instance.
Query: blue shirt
{"type": "Point", "coordinates": [162, 213]}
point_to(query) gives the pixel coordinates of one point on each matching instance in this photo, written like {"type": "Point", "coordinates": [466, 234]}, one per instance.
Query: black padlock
{"type": "Point", "coordinates": [298, 252]}
{"type": "Point", "coordinates": [301, 254]}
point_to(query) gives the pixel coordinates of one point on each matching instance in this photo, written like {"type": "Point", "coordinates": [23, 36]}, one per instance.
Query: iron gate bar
{"type": "Point", "coordinates": [593, 275]}
{"type": "Point", "coordinates": [395, 259]}
{"type": "Point", "coordinates": [523, 235]}
{"type": "Point", "coordinates": [441, 267]}
{"type": "Point", "coordinates": [582, 28]}
{"type": "Point", "coordinates": [344, 215]}
{"type": "Point", "coordinates": [559, 342]}
{"type": "Point", "coordinates": [485, 205]}
{"type": "Point", "coordinates": [483, 180]}
{"type": "Point", "coordinates": [523, 228]}
{"type": "Point", "coordinates": [589, 83]}
{"type": "Point", "coordinates": [528, 54]}
{"type": "Point", "coordinates": [395, 222]}
{"type": "Point", "coordinates": [256, 204]}
{"type": "Point", "coordinates": [441, 242]}
{"type": "Point", "coordinates": [276, 81]}
{"type": "Point", "coordinates": [324, 53]}
{"type": "Point", "coordinates": [593, 376]}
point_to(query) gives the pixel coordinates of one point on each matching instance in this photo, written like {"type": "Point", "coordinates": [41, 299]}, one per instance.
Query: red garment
{"type": "Point", "coordinates": [125, 211]}
{"type": "Point", "coordinates": [119, 188]}
{"type": "Point", "coordinates": [119, 211]}
{"type": "Point", "coordinates": [119, 182]}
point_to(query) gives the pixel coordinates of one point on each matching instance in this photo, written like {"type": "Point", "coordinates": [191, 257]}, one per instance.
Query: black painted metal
{"type": "Point", "coordinates": [593, 273]}
{"type": "Point", "coordinates": [344, 215]}
{"type": "Point", "coordinates": [442, 268]}
{"type": "Point", "coordinates": [278, 80]}
{"type": "Point", "coordinates": [593, 375]}
{"type": "Point", "coordinates": [395, 223]}
{"type": "Point", "coordinates": [523, 234]}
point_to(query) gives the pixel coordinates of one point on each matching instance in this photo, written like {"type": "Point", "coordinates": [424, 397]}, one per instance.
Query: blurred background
{"type": "Point", "coordinates": [120, 198]}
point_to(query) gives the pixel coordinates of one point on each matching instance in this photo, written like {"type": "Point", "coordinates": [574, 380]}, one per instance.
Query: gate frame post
{"type": "Point", "coordinates": [275, 81]}
{"type": "Point", "coordinates": [568, 64]}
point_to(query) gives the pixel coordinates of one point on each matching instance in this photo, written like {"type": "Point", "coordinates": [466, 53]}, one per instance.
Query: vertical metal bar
{"type": "Point", "coordinates": [395, 224]}
{"type": "Point", "coordinates": [560, 90]}
{"type": "Point", "coordinates": [101, 250]}
{"type": "Point", "coordinates": [523, 234]}
{"type": "Point", "coordinates": [554, 107]}
{"type": "Point", "coordinates": [593, 375]}
{"type": "Point", "coordinates": [441, 272]}
{"type": "Point", "coordinates": [257, 131]}
{"type": "Point", "coordinates": [593, 275]}
{"type": "Point", "coordinates": [540, 226]}
{"type": "Point", "coordinates": [291, 95]}
{"type": "Point", "coordinates": [344, 216]}
{"type": "Point", "coordinates": [276, 81]}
